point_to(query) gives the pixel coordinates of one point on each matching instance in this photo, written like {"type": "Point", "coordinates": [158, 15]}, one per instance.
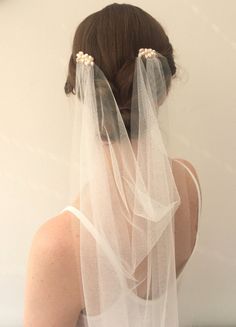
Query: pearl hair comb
{"type": "Point", "coordinates": [84, 58]}
{"type": "Point", "coordinates": [89, 60]}
{"type": "Point", "coordinates": [148, 53]}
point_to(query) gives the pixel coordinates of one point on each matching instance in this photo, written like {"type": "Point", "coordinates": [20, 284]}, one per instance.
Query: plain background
{"type": "Point", "coordinates": [35, 121]}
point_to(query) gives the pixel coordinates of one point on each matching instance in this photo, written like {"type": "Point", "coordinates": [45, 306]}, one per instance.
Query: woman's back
{"type": "Point", "coordinates": [54, 239]}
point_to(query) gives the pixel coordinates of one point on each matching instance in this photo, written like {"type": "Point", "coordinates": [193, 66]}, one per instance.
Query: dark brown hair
{"type": "Point", "coordinates": [113, 36]}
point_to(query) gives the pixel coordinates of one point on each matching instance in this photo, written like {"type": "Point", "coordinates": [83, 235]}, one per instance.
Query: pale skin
{"type": "Point", "coordinates": [53, 296]}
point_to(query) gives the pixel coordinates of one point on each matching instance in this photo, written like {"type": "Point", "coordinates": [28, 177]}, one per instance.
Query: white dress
{"type": "Point", "coordinates": [132, 298]}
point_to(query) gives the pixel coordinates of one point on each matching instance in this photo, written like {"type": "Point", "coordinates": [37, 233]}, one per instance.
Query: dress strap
{"type": "Point", "coordinates": [196, 183]}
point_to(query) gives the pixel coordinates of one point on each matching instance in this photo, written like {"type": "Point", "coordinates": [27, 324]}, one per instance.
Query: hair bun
{"type": "Point", "coordinates": [124, 107]}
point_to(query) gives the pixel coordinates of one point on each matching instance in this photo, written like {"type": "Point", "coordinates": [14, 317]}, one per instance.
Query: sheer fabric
{"type": "Point", "coordinates": [123, 186]}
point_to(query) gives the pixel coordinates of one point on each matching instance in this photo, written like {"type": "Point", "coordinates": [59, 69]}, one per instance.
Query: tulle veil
{"type": "Point", "coordinates": [121, 183]}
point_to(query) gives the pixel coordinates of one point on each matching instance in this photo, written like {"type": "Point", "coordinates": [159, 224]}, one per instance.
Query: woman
{"type": "Point", "coordinates": [117, 235]}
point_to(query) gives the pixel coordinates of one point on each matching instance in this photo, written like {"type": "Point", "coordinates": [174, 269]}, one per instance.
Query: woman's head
{"type": "Point", "coordinates": [113, 36]}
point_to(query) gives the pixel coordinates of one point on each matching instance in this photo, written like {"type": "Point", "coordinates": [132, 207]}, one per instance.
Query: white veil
{"type": "Point", "coordinates": [122, 184]}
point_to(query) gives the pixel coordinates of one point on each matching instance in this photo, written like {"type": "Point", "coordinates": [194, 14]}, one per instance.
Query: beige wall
{"type": "Point", "coordinates": [35, 42]}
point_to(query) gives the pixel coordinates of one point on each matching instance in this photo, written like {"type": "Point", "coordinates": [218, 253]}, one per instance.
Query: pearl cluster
{"type": "Point", "coordinates": [148, 53]}
{"type": "Point", "coordinates": [84, 58]}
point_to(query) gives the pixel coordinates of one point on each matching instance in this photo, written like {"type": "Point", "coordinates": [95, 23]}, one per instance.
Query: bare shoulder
{"type": "Point", "coordinates": [55, 231]}
{"type": "Point", "coordinates": [186, 216]}
{"type": "Point", "coordinates": [177, 167]}
{"type": "Point", "coordinates": [52, 289]}
{"type": "Point", "coordinates": [189, 189]}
